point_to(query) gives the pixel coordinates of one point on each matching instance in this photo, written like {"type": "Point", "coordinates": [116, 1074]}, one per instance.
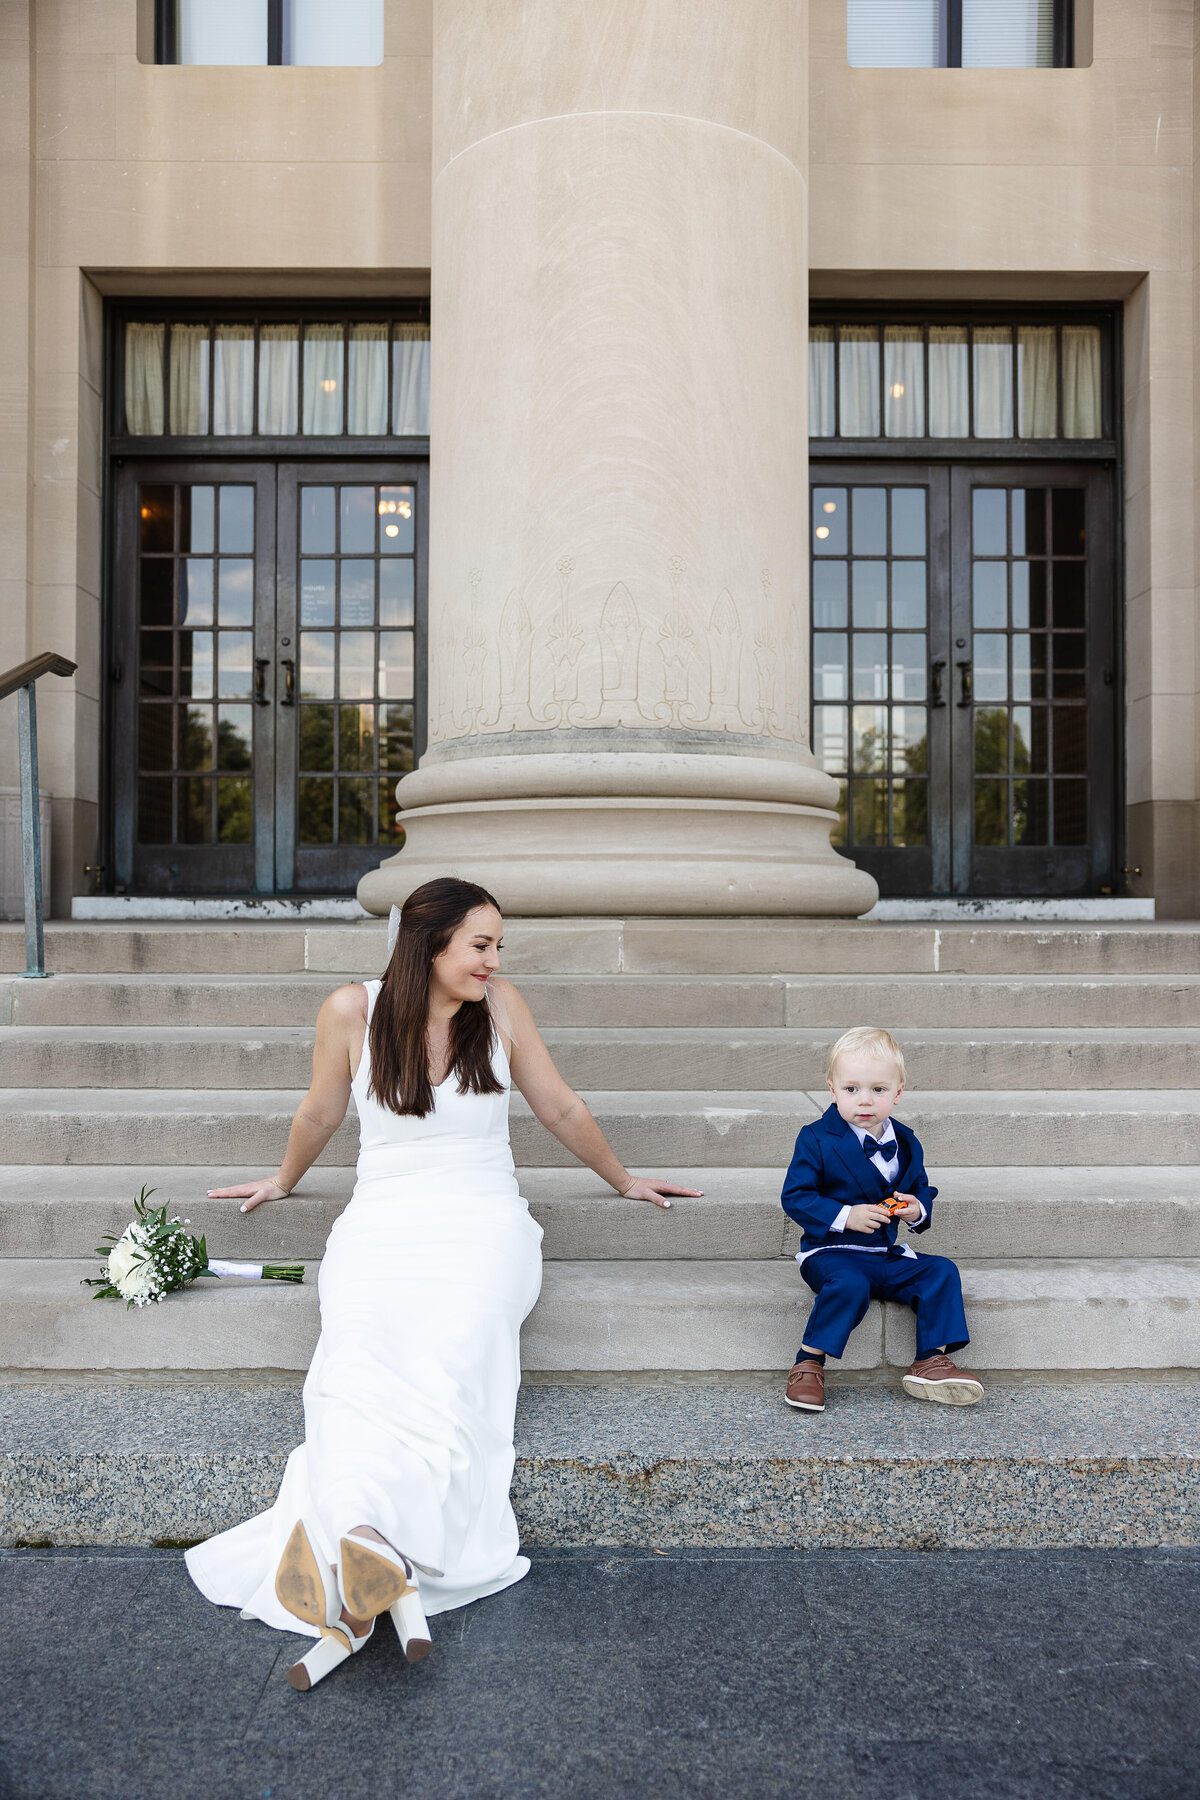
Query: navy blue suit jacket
{"type": "Point", "coordinates": [830, 1169]}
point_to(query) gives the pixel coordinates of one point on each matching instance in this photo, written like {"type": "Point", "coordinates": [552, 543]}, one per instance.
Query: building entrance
{"type": "Point", "coordinates": [964, 673]}
{"type": "Point", "coordinates": [267, 664]}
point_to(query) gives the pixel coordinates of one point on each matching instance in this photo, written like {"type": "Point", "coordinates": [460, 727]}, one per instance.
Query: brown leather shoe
{"type": "Point", "coordinates": [936, 1378]}
{"type": "Point", "coordinates": [806, 1386]}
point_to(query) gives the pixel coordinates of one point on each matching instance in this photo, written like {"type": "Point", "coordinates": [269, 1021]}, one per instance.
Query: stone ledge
{"type": "Point", "coordinates": [1083, 1464]}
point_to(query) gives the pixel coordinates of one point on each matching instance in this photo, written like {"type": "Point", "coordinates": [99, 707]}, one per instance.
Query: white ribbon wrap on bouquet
{"type": "Point", "coordinates": [246, 1271]}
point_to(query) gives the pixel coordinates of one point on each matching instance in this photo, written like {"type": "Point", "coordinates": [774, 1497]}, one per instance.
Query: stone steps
{"type": "Point", "coordinates": [706, 1462]}
{"type": "Point", "coordinates": [92, 1125]}
{"type": "Point", "coordinates": [1050, 1313]}
{"type": "Point", "coordinates": [825, 1002]}
{"type": "Point", "coordinates": [280, 1056]}
{"type": "Point", "coordinates": [631, 946]}
{"type": "Point", "coordinates": [982, 1214]}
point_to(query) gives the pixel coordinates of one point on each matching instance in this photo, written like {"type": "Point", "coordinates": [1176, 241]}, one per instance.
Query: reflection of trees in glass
{"type": "Point", "coordinates": [991, 758]}
{"type": "Point", "coordinates": [196, 750]}
{"type": "Point", "coordinates": [233, 750]}
{"type": "Point", "coordinates": [316, 737]}
{"type": "Point", "coordinates": [233, 810]}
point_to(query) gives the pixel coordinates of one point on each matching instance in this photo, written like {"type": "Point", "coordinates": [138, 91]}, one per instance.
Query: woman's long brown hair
{"type": "Point", "coordinates": [399, 1050]}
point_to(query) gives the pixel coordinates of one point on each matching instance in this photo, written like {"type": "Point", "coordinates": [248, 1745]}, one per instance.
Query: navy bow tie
{"type": "Point", "coordinates": [887, 1151]}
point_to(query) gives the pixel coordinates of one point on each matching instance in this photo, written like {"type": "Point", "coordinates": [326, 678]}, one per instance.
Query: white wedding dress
{"type": "Point", "coordinates": [410, 1398]}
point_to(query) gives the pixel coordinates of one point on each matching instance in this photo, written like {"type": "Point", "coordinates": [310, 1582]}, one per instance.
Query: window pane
{"type": "Point", "coordinates": [157, 529]}
{"type": "Point", "coordinates": [278, 379]}
{"type": "Point", "coordinates": [358, 591]}
{"type": "Point", "coordinates": [234, 733]}
{"type": "Point", "coordinates": [156, 748]}
{"type": "Point", "coordinates": [222, 31]}
{"type": "Point", "coordinates": [1070, 812]}
{"type": "Point", "coordinates": [1028, 522]}
{"type": "Point", "coordinates": [991, 812]}
{"type": "Point", "coordinates": [1031, 812]}
{"type": "Point", "coordinates": [870, 666]}
{"type": "Point", "coordinates": [894, 34]}
{"type": "Point", "coordinates": [948, 381]}
{"type": "Point", "coordinates": [991, 666]}
{"type": "Point", "coordinates": [993, 381]}
{"type": "Point", "coordinates": [356, 737]}
{"type": "Point", "coordinates": [156, 604]}
{"type": "Point", "coordinates": [828, 596]}
{"type": "Point", "coordinates": [196, 591]}
{"type": "Point", "coordinates": [829, 521]}
{"type": "Point", "coordinates": [317, 521]}
{"type": "Point", "coordinates": [829, 738]}
{"type": "Point", "coordinates": [870, 739]}
{"type": "Point", "coordinates": [398, 526]}
{"type": "Point", "coordinates": [154, 811]}
{"type": "Point", "coordinates": [396, 739]}
{"type": "Point", "coordinates": [367, 378]}
{"type": "Point", "coordinates": [395, 665]}
{"type": "Point", "coordinates": [315, 823]}
{"type": "Point", "coordinates": [870, 812]}
{"type": "Point", "coordinates": [908, 595]}
{"type": "Point", "coordinates": [234, 654]}
{"type": "Point", "coordinates": [356, 676]}
{"type": "Point", "coordinates": [989, 527]}
{"type": "Point", "coordinates": [991, 740]}
{"type": "Point", "coordinates": [356, 811]}
{"type": "Point", "coordinates": [391, 829]}
{"type": "Point", "coordinates": [870, 595]}
{"type": "Point", "coordinates": [156, 669]}
{"type": "Point", "coordinates": [316, 593]}
{"type": "Point", "coordinates": [316, 737]}
{"type": "Point", "coordinates": [237, 520]}
{"type": "Point", "coordinates": [990, 595]}
{"type": "Point", "coordinates": [908, 665]}
{"type": "Point", "coordinates": [1081, 382]}
{"type": "Point", "coordinates": [1029, 595]}
{"type": "Point", "coordinates": [395, 593]}
{"type": "Point", "coordinates": [1068, 512]}
{"type": "Point", "coordinates": [316, 665]}
{"type": "Point", "coordinates": [908, 521]}
{"type": "Point", "coordinates": [410, 380]}
{"type": "Point", "coordinates": [235, 591]}
{"type": "Point", "coordinates": [326, 36]}
{"type": "Point", "coordinates": [829, 666]}
{"type": "Point", "coordinates": [1008, 34]}
{"type": "Point", "coordinates": [195, 810]}
{"type": "Point", "coordinates": [1069, 592]}
{"type": "Point", "coordinates": [233, 381]}
{"type": "Point", "coordinates": [903, 382]}
{"type": "Point", "coordinates": [910, 812]}
{"type": "Point", "coordinates": [910, 753]}
{"type": "Point", "coordinates": [233, 812]}
{"type": "Point", "coordinates": [189, 380]}
{"type": "Point", "coordinates": [198, 519]}
{"type": "Point", "coordinates": [322, 380]}
{"type": "Point", "coordinates": [858, 380]}
{"type": "Point", "coordinates": [820, 381]}
{"type": "Point", "coordinates": [358, 519]}
{"type": "Point", "coordinates": [1037, 381]}
{"type": "Point", "coordinates": [870, 521]}
{"type": "Point", "coordinates": [144, 379]}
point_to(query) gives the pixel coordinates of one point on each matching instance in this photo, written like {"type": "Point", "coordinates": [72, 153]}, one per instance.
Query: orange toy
{"type": "Point", "coordinates": [893, 1205]}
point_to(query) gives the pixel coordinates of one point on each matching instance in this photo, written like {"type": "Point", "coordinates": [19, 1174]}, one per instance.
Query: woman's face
{"type": "Point", "coordinates": [473, 953]}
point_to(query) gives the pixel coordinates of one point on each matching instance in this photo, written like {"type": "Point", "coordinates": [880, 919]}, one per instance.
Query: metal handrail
{"type": "Point", "coordinates": [20, 681]}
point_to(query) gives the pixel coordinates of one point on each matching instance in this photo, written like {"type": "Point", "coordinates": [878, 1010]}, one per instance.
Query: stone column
{"type": "Point", "coordinates": [618, 696]}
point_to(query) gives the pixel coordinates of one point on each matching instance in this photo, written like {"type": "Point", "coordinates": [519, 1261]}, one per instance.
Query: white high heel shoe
{"type": "Point", "coordinates": [374, 1578]}
{"type": "Point", "coordinates": [307, 1587]}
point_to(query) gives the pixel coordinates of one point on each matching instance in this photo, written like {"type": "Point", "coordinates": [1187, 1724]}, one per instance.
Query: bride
{"type": "Point", "coordinates": [398, 1499]}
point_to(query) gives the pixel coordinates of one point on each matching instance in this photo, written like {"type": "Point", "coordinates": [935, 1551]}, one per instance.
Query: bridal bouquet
{"type": "Point", "coordinates": [154, 1256]}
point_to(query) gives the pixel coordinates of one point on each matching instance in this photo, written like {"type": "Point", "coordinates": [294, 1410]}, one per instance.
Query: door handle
{"type": "Point", "coordinates": [966, 694]}
{"type": "Point", "coordinates": [289, 688]}
{"type": "Point", "coordinates": [261, 665]}
{"type": "Point", "coordinates": [935, 681]}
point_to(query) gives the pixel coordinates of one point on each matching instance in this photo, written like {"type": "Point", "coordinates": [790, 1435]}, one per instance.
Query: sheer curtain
{"type": "Point", "coordinates": [948, 381]}
{"type": "Point", "coordinates": [223, 31]}
{"type": "Point", "coordinates": [367, 380]}
{"type": "Point", "coordinates": [189, 380]}
{"type": "Point", "coordinates": [144, 379]}
{"type": "Point", "coordinates": [993, 381]}
{"type": "Point", "coordinates": [1082, 407]}
{"type": "Point", "coordinates": [1037, 381]}
{"type": "Point", "coordinates": [278, 379]}
{"type": "Point", "coordinates": [894, 34]}
{"type": "Point", "coordinates": [233, 381]}
{"type": "Point", "coordinates": [820, 381]}
{"type": "Point", "coordinates": [323, 380]}
{"type": "Point", "coordinates": [858, 380]}
{"type": "Point", "coordinates": [326, 34]}
{"type": "Point", "coordinates": [903, 382]}
{"type": "Point", "coordinates": [410, 380]}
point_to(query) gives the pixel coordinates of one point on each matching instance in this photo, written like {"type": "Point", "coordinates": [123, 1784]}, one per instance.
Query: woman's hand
{"type": "Point", "coordinates": [643, 1189]}
{"type": "Point", "coordinates": [252, 1193]}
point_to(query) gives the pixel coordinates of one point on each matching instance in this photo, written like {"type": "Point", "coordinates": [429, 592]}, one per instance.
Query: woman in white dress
{"type": "Point", "coordinates": [398, 1499]}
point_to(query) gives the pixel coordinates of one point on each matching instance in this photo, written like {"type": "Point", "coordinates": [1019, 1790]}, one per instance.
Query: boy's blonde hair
{"type": "Point", "coordinates": [866, 1040]}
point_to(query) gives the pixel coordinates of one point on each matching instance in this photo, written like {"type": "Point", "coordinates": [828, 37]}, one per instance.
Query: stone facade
{"type": "Point", "coordinates": [594, 608]}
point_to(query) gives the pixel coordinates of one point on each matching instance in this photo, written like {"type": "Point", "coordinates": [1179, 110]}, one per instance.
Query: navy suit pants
{"type": "Point", "coordinates": [846, 1281]}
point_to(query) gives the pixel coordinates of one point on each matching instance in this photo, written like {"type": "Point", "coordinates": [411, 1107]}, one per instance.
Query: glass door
{"type": "Point", "coordinates": [267, 667]}
{"type": "Point", "coordinates": [963, 674]}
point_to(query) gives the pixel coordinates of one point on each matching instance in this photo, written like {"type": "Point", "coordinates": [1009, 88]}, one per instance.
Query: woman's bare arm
{"type": "Point", "coordinates": [341, 1023]}
{"type": "Point", "coordinates": [560, 1109]}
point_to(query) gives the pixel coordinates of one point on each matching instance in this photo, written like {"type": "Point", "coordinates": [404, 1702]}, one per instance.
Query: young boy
{"type": "Point", "coordinates": [844, 1168]}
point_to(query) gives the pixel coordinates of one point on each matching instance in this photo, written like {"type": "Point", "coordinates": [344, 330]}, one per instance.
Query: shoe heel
{"type": "Point", "coordinates": [412, 1628]}
{"type": "Point", "coordinates": [322, 1660]}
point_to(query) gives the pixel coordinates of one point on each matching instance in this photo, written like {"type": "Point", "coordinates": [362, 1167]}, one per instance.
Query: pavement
{"type": "Point", "coordinates": [625, 1675]}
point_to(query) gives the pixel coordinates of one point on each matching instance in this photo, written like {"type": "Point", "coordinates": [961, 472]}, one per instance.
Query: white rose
{"type": "Point", "coordinates": [129, 1270]}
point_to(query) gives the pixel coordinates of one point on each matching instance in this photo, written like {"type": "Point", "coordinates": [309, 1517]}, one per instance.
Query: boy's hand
{"type": "Point", "coordinates": [911, 1213]}
{"type": "Point", "coordinates": [867, 1218]}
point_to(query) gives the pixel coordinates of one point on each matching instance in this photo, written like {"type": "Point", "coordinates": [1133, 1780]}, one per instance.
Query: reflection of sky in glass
{"type": "Point", "coordinates": [235, 590]}
{"type": "Point", "coordinates": [829, 595]}
{"type": "Point", "coordinates": [829, 666]}
{"type": "Point", "coordinates": [870, 666]}
{"type": "Point", "coordinates": [829, 737]}
{"type": "Point", "coordinates": [870, 594]}
{"type": "Point", "coordinates": [991, 674]}
{"type": "Point", "coordinates": [358, 591]}
{"type": "Point", "coordinates": [395, 593]}
{"type": "Point", "coordinates": [196, 599]}
{"type": "Point", "coordinates": [908, 665]}
{"type": "Point", "coordinates": [196, 650]}
{"type": "Point", "coordinates": [316, 593]}
{"type": "Point", "coordinates": [237, 520]}
{"type": "Point", "coordinates": [235, 651]}
{"type": "Point", "coordinates": [234, 729]}
{"type": "Point", "coordinates": [909, 755]}
{"type": "Point", "coordinates": [358, 519]}
{"type": "Point", "coordinates": [316, 665]}
{"type": "Point", "coordinates": [316, 520]}
{"type": "Point", "coordinates": [396, 665]}
{"type": "Point", "coordinates": [357, 677]}
{"type": "Point", "coordinates": [908, 594]}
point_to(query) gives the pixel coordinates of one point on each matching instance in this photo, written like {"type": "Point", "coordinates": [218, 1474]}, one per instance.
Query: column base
{"type": "Point", "coordinates": [611, 834]}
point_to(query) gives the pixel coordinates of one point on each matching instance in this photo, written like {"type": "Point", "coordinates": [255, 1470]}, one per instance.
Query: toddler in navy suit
{"type": "Point", "coordinates": [854, 1174]}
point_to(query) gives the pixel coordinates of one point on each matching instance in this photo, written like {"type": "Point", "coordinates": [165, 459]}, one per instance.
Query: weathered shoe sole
{"type": "Point", "coordinates": [298, 1584]}
{"type": "Point", "coordinates": [947, 1393]}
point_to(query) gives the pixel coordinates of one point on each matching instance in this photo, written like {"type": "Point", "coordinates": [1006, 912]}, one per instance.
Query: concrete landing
{"type": "Point", "coordinates": [681, 1462]}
